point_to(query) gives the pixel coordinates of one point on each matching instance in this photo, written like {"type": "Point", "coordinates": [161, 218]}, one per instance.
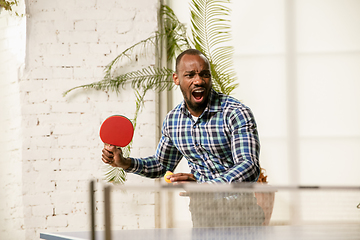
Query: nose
{"type": "Point", "coordinates": [198, 80]}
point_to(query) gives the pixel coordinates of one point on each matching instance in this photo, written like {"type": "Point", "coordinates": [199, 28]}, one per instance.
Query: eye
{"type": "Point", "coordinates": [190, 75]}
{"type": "Point", "coordinates": [205, 74]}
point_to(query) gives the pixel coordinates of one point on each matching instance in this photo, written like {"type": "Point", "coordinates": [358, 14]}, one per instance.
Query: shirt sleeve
{"type": "Point", "coordinates": [166, 158]}
{"type": "Point", "coordinates": [245, 148]}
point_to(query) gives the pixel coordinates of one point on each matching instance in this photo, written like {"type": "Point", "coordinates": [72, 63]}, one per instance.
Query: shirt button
{"type": "Point", "coordinates": [194, 126]}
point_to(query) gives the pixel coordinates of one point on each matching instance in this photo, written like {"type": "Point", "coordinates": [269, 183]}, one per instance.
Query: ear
{"type": "Point", "coordinates": [176, 79]}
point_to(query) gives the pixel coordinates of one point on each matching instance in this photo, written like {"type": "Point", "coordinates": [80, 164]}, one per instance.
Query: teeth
{"type": "Point", "coordinates": [198, 91]}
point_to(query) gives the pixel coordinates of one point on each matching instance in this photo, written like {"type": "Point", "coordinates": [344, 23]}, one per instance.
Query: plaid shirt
{"type": "Point", "coordinates": [221, 146]}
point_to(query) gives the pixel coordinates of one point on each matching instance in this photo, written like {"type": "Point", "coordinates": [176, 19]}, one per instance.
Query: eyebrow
{"type": "Point", "coordinates": [192, 71]}
{"type": "Point", "coordinates": [189, 72]}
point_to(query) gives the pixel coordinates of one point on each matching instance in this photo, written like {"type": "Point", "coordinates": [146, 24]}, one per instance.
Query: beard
{"type": "Point", "coordinates": [193, 106]}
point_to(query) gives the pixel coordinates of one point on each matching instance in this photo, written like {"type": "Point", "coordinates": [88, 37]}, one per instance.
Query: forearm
{"type": "Point", "coordinates": [245, 148]}
{"type": "Point", "coordinates": [148, 167]}
{"type": "Point", "coordinates": [247, 171]}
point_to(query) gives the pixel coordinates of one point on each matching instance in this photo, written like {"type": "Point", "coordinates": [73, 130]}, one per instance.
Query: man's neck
{"type": "Point", "coordinates": [195, 112]}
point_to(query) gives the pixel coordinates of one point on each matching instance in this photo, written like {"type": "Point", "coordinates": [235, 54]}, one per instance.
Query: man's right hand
{"type": "Point", "coordinates": [181, 177]}
{"type": "Point", "coordinates": [113, 156]}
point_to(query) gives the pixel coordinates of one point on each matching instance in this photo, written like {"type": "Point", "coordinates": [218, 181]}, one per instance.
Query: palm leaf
{"type": "Point", "coordinates": [174, 32]}
{"type": "Point", "coordinates": [114, 174]}
{"type": "Point", "coordinates": [147, 78]}
{"type": "Point", "coordinates": [211, 31]}
{"type": "Point", "coordinates": [131, 54]}
{"type": "Point", "coordinates": [7, 5]}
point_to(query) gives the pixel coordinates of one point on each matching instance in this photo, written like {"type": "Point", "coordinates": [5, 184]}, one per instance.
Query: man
{"type": "Point", "coordinates": [215, 133]}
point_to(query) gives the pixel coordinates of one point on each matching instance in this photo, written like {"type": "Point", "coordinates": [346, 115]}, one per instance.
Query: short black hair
{"type": "Point", "coordinates": [189, 51]}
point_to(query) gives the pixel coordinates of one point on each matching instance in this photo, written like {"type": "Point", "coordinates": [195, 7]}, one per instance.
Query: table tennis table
{"type": "Point", "coordinates": [318, 232]}
{"type": "Point", "coordinates": [341, 221]}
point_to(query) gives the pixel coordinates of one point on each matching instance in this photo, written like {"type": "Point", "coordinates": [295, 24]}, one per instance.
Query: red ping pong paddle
{"type": "Point", "coordinates": [117, 130]}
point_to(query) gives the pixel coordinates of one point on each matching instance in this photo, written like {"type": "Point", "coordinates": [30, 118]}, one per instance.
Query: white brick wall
{"type": "Point", "coordinates": [53, 141]}
{"type": "Point", "coordinates": [12, 56]}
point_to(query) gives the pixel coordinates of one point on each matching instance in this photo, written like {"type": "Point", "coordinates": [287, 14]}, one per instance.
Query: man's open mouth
{"type": "Point", "coordinates": [198, 94]}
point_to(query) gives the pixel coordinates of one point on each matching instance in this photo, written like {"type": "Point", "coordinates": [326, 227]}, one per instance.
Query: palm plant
{"type": "Point", "coordinates": [210, 31]}
{"type": "Point", "coordinates": [7, 5]}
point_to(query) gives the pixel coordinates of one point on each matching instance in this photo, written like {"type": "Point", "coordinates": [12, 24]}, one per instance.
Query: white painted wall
{"type": "Point", "coordinates": [326, 84]}
{"type": "Point", "coordinates": [326, 61]}
{"type": "Point", "coordinates": [50, 147]}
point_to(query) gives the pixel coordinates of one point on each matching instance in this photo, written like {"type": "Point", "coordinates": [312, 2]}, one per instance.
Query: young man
{"type": "Point", "coordinates": [215, 133]}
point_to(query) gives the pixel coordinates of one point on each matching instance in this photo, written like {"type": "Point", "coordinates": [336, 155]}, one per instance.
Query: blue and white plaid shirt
{"type": "Point", "coordinates": [221, 146]}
